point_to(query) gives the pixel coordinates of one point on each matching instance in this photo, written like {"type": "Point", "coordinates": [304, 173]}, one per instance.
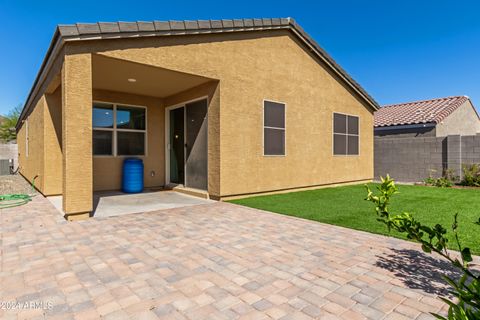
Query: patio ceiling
{"type": "Point", "coordinates": [113, 74]}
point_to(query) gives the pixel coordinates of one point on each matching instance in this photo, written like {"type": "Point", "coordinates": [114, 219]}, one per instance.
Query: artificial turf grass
{"type": "Point", "coordinates": [346, 207]}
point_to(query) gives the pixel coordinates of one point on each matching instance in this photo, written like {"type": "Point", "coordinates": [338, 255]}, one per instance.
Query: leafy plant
{"type": "Point", "coordinates": [471, 175]}
{"type": "Point", "coordinates": [432, 239]}
{"type": "Point", "coordinates": [447, 179]}
{"type": "Point", "coordinates": [8, 123]}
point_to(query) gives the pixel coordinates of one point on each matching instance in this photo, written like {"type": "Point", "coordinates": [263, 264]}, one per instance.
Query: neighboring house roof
{"type": "Point", "coordinates": [115, 30]}
{"type": "Point", "coordinates": [418, 112]}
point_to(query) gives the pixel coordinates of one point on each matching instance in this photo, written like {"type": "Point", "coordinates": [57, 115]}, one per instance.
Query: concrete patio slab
{"type": "Point", "coordinates": [115, 203]}
{"type": "Point", "coordinates": [209, 261]}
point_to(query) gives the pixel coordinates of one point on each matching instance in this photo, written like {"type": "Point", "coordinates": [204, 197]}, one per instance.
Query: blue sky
{"type": "Point", "coordinates": [397, 50]}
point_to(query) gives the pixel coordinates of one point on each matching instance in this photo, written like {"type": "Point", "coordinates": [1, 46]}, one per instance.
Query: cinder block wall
{"type": "Point", "coordinates": [409, 159]}
{"type": "Point", "coordinates": [9, 151]}
{"type": "Point", "coordinates": [470, 149]}
{"type": "Point", "coordinates": [413, 159]}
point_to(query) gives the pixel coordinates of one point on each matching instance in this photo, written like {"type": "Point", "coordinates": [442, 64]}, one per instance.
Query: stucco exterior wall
{"type": "Point", "coordinates": [107, 170]}
{"type": "Point", "coordinates": [77, 135]}
{"type": "Point", "coordinates": [44, 155]}
{"type": "Point", "coordinates": [463, 121]}
{"type": "Point", "coordinates": [263, 66]}
{"type": "Point", "coordinates": [53, 143]}
{"type": "Point", "coordinates": [32, 165]}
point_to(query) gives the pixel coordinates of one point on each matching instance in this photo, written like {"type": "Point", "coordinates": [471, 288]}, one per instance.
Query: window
{"type": "Point", "coordinates": [345, 134]}
{"type": "Point", "coordinates": [118, 130]}
{"type": "Point", "coordinates": [273, 128]}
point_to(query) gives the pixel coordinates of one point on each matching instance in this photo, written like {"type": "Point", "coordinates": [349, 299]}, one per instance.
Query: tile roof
{"type": "Point", "coordinates": [171, 25]}
{"type": "Point", "coordinates": [176, 27]}
{"type": "Point", "coordinates": [113, 30]}
{"type": "Point", "coordinates": [417, 112]}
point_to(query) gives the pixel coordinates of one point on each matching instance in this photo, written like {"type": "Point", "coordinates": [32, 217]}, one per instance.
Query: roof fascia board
{"type": "Point", "coordinates": [406, 126]}
{"type": "Point", "coordinates": [55, 47]}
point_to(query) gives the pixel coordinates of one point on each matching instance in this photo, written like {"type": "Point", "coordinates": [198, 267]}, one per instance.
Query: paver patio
{"type": "Point", "coordinates": [212, 261]}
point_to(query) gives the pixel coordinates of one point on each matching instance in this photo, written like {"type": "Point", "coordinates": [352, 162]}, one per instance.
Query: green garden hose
{"type": "Point", "coordinates": [14, 200]}
{"type": "Point", "coordinates": [19, 199]}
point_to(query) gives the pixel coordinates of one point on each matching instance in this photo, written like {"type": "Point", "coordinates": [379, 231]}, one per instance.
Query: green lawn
{"type": "Point", "coordinates": [345, 206]}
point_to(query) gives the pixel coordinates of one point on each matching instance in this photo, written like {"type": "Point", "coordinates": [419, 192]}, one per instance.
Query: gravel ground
{"type": "Point", "coordinates": [15, 184]}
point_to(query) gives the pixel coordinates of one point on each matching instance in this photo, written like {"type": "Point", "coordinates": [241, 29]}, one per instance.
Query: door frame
{"type": "Point", "coordinates": [182, 104]}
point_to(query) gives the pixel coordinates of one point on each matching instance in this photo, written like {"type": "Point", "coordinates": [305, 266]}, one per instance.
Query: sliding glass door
{"type": "Point", "coordinates": [188, 145]}
{"type": "Point", "coordinates": [177, 146]}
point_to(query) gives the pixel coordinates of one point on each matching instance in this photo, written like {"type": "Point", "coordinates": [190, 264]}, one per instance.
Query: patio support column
{"type": "Point", "coordinates": [214, 170]}
{"type": "Point", "coordinates": [77, 136]}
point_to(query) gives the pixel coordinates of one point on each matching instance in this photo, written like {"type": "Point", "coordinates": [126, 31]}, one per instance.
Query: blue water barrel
{"type": "Point", "coordinates": [132, 175]}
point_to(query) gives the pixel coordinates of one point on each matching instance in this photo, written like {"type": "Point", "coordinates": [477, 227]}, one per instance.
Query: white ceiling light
{"type": "Point", "coordinates": [132, 80]}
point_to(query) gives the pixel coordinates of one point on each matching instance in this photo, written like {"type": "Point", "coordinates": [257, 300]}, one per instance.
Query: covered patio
{"type": "Point", "coordinates": [112, 109]}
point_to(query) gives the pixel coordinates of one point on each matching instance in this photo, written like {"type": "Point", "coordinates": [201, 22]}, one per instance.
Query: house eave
{"type": "Point", "coordinates": [88, 32]}
{"type": "Point", "coordinates": [55, 46]}
{"type": "Point", "coordinates": [406, 126]}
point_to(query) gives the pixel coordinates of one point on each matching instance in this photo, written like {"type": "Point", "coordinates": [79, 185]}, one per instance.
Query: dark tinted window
{"type": "Point", "coordinates": [102, 143]}
{"type": "Point", "coordinates": [339, 123]}
{"type": "Point", "coordinates": [352, 145]}
{"type": "Point", "coordinates": [274, 114]}
{"type": "Point", "coordinates": [128, 129]}
{"type": "Point", "coordinates": [274, 129]}
{"type": "Point", "coordinates": [130, 143]}
{"type": "Point", "coordinates": [352, 125]}
{"type": "Point", "coordinates": [345, 134]}
{"type": "Point", "coordinates": [339, 144]}
{"type": "Point", "coordinates": [130, 118]}
{"type": "Point", "coordinates": [274, 142]}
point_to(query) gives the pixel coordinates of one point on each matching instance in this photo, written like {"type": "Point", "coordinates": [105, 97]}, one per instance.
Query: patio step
{"type": "Point", "coordinates": [189, 191]}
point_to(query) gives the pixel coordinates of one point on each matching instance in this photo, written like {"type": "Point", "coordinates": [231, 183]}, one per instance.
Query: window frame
{"type": "Point", "coordinates": [275, 128]}
{"type": "Point", "coordinates": [345, 134]}
{"type": "Point", "coordinates": [114, 130]}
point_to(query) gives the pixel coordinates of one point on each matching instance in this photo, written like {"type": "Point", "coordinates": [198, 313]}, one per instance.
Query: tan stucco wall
{"type": "Point", "coordinates": [463, 121]}
{"type": "Point", "coordinates": [45, 159]}
{"type": "Point", "coordinates": [53, 143]}
{"type": "Point", "coordinates": [273, 67]}
{"type": "Point", "coordinates": [33, 164]}
{"type": "Point", "coordinates": [77, 134]}
{"type": "Point", "coordinates": [45, 156]}
{"type": "Point", "coordinates": [107, 171]}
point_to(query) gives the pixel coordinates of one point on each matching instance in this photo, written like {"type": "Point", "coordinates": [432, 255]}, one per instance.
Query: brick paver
{"type": "Point", "coordinates": [213, 261]}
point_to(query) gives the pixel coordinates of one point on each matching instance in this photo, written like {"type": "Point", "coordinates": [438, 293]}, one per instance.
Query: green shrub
{"type": "Point", "coordinates": [447, 179]}
{"type": "Point", "coordinates": [471, 175]}
{"type": "Point", "coordinates": [433, 239]}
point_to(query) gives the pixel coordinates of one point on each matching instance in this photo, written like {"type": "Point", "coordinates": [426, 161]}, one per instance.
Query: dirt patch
{"type": "Point", "coordinates": [15, 184]}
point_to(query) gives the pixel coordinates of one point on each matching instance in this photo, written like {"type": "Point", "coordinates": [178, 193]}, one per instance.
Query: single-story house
{"type": "Point", "coordinates": [419, 139]}
{"type": "Point", "coordinates": [428, 118]}
{"type": "Point", "coordinates": [230, 107]}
